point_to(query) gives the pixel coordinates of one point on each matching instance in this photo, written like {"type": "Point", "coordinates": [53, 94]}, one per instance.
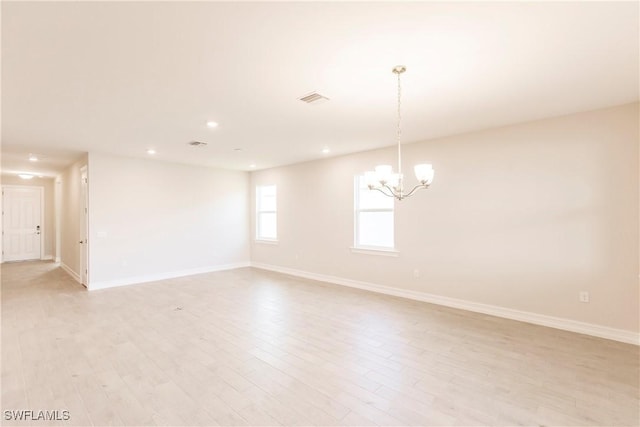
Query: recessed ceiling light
{"type": "Point", "coordinates": [252, 165]}
{"type": "Point", "coordinates": [238, 150]}
{"type": "Point", "coordinates": [325, 150]}
{"type": "Point", "coordinates": [25, 176]}
{"type": "Point", "coordinates": [211, 124]}
{"type": "Point", "coordinates": [33, 158]}
{"type": "Point", "coordinates": [151, 151]}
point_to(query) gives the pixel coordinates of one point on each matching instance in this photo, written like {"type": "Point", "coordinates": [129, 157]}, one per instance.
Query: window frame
{"type": "Point", "coordinates": [370, 249]}
{"type": "Point", "coordinates": [259, 212]}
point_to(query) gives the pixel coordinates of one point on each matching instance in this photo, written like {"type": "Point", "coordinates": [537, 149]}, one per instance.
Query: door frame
{"type": "Point", "coordinates": [84, 226]}
{"type": "Point", "coordinates": [42, 228]}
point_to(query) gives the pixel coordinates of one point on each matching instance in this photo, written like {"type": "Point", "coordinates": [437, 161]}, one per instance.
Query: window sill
{"type": "Point", "coordinates": [266, 242]}
{"type": "Point", "coordinates": [375, 251]}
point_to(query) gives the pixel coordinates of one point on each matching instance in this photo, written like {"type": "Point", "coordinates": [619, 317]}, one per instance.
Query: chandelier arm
{"type": "Point", "coordinates": [383, 192]}
{"type": "Point", "coordinates": [416, 188]}
{"type": "Point", "coordinates": [394, 192]}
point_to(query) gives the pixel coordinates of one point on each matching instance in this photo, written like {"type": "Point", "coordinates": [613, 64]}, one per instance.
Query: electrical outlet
{"type": "Point", "coordinates": [584, 296]}
{"type": "Point", "coordinates": [416, 273]}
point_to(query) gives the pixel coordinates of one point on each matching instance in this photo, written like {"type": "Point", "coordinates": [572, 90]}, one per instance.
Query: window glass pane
{"type": "Point", "coordinates": [268, 190]}
{"type": "Point", "coordinates": [373, 199]}
{"type": "Point", "coordinates": [375, 229]}
{"type": "Point", "coordinates": [268, 203]}
{"type": "Point", "coordinates": [266, 206]}
{"type": "Point", "coordinates": [267, 226]}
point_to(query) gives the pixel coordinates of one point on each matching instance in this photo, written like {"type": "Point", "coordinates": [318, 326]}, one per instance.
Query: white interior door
{"type": "Point", "coordinates": [84, 228]}
{"type": "Point", "coordinates": [21, 223]}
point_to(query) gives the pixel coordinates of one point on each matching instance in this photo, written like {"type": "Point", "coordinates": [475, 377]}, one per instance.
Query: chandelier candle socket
{"type": "Point", "coordinates": [384, 179]}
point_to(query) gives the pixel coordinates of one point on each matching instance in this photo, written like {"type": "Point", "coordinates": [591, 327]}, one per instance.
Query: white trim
{"type": "Point", "coordinates": [47, 258]}
{"type": "Point", "coordinates": [507, 313]}
{"type": "Point", "coordinates": [163, 276]}
{"type": "Point", "coordinates": [374, 251]}
{"type": "Point", "coordinates": [267, 241]}
{"type": "Point", "coordinates": [57, 215]}
{"type": "Point", "coordinates": [70, 272]}
{"type": "Point", "coordinates": [84, 220]}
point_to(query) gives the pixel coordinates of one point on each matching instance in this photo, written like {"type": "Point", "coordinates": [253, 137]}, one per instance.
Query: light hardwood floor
{"type": "Point", "coordinates": [249, 347]}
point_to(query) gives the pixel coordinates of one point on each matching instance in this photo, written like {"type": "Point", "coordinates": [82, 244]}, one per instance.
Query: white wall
{"type": "Point", "coordinates": [48, 227]}
{"type": "Point", "coordinates": [152, 219]}
{"type": "Point", "coordinates": [521, 217]}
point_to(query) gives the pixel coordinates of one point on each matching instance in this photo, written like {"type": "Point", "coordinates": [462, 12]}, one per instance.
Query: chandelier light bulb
{"type": "Point", "coordinates": [424, 173]}
{"type": "Point", "coordinates": [395, 180]}
{"type": "Point", "coordinates": [371, 179]}
{"type": "Point", "coordinates": [383, 173]}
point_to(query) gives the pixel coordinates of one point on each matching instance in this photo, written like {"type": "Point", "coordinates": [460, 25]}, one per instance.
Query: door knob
{"type": "Point", "coordinates": [81, 242]}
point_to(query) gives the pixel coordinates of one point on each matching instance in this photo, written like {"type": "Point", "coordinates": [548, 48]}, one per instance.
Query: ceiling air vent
{"type": "Point", "coordinates": [197, 144]}
{"type": "Point", "coordinates": [313, 98]}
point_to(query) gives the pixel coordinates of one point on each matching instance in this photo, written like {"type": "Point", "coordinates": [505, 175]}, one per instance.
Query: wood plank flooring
{"type": "Point", "coordinates": [250, 347]}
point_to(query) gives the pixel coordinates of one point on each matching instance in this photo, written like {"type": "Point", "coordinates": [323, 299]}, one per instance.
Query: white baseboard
{"type": "Point", "coordinates": [508, 313]}
{"type": "Point", "coordinates": [46, 258]}
{"type": "Point", "coordinates": [57, 260]}
{"type": "Point", "coordinates": [162, 276]}
{"type": "Point", "coordinates": [70, 272]}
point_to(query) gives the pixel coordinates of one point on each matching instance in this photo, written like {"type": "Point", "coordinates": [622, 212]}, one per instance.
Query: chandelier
{"type": "Point", "coordinates": [384, 179]}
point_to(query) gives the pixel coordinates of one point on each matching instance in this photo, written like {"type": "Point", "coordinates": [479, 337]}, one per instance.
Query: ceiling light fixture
{"type": "Point", "coordinates": [325, 150]}
{"type": "Point", "coordinates": [211, 124]}
{"type": "Point", "coordinates": [151, 151]}
{"type": "Point", "coordinates": [33, 158]}
{"type": "Point", "coordinates": [25, 176]}
{"type": "Point", "coordinates": [252, 165]}
{"type": "Point", "coordinates": [392, 184]}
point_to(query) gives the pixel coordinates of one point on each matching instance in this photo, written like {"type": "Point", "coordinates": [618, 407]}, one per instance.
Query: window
{"type": "Point", "coordinates": [266, 213]}
{"type": "Point", "coordinates": [374, 218]}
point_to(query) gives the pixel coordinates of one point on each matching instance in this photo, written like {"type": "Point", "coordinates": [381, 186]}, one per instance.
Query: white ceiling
{"type": "Point", "coordinates": [120, 77]}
